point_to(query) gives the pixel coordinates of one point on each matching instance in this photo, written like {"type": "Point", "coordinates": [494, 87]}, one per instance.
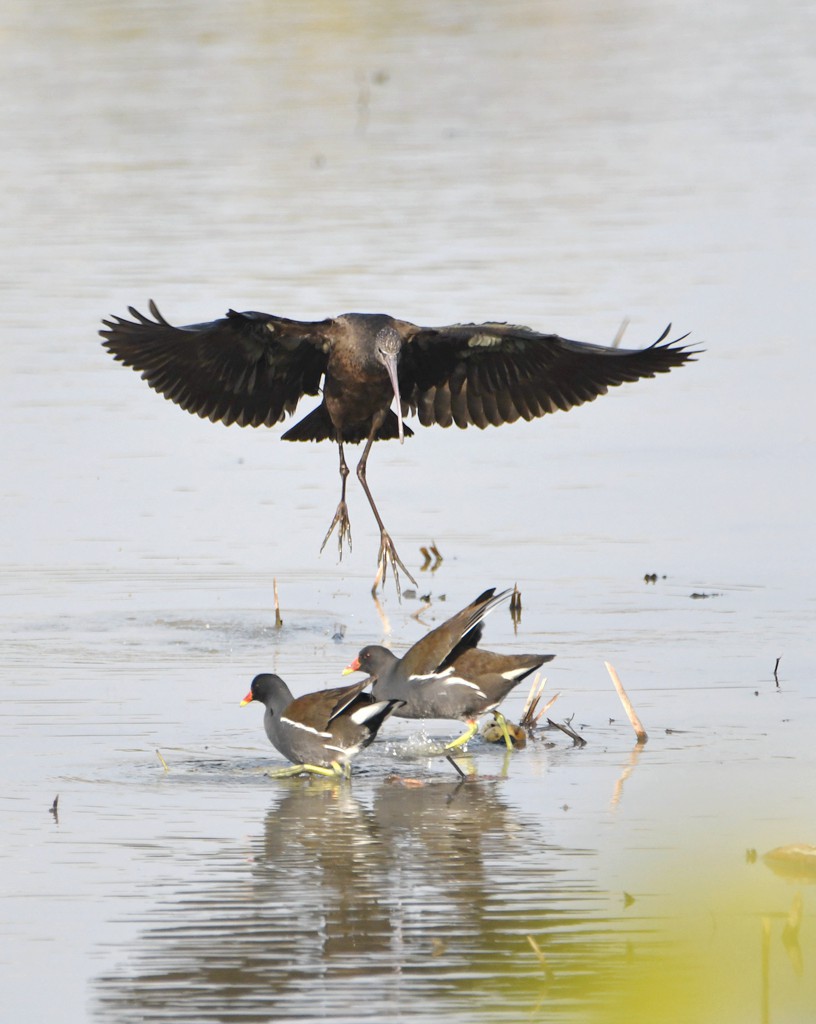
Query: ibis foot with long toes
{"type": "Point", "coordinates": [342, 524]}
{"type": "Point", "coordinates": [388, 556]}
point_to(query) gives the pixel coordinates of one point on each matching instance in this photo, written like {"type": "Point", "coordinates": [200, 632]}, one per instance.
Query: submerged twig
{"type": "Point", "coordinates": [539, 954]}
{"type": "Point", "coordinates": [163, 762]}
{"type": "Point", "coordinates": [462, 774]}
{"type": "Point", "coordinates": [54, 808]}
{"type": "Point", "coordinates": [577, 740]}
{"type": "Point", "coordinates": [640, 732]}
{"type": "Point", "coordinates": [424, 605]}
{"type": "Point", "coordinates": [776, 668]}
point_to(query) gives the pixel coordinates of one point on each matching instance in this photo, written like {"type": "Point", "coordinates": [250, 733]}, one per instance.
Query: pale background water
{"type": "Point", "coordinates": [560, 165]}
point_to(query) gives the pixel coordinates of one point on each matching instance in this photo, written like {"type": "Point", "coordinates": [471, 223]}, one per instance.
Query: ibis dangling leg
{"type": "Point", "coordinates": [388, 552]}
{"type": "Point", "coordinates": [341, 516]}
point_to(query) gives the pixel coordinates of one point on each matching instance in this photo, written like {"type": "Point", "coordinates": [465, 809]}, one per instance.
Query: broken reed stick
{"type": "Point", "coordinates": [546, 708]}
{"type": "Point", "coordinates": [163, 762]}
{"type": "Point", "coordinates": [637, 725]}
{"type": "Point", "coordinates": [515, 605]}
{"type": "Point", "coordinates": [533, 696]}
{"type": "Point", "coordinates": [529, 718]}
{"type": "Point", "coordinates": [278, 622]}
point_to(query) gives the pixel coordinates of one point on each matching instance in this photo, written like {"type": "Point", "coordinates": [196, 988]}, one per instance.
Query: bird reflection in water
{"type": "Point", "coordinates": [411, 897]}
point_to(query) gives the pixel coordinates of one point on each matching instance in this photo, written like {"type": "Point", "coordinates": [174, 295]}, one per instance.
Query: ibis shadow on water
{"type": "Point", "coordinates": [253, 368]}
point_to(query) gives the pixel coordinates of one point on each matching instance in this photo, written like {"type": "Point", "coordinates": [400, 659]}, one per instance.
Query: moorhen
{"type": "Point", "coordinates": [446, 674]}
{"type": "Point", "coordinates": [319, 732]}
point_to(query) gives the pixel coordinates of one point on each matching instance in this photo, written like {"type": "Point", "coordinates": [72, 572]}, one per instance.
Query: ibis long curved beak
{"type": "Point", "coordinates": [390, 361]}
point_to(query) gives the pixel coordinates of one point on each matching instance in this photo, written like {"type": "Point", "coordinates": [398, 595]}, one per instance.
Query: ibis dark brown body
{"type": "Point", "coordinates": [446, 674]}
{"type": "Point", "coordinates": [253, 368]}
{"type": "Point", "coordinates": [319, 732]}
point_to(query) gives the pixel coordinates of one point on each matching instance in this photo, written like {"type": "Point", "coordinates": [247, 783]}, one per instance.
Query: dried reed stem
{"type": "Point", "coordinates": [529, 718]}
{"type": "Point", "coordinates": [533, 696]}
{"type": "Point", "coordinates": [640, 732]}
{"type": "Point", "coordinates": [546, 707]}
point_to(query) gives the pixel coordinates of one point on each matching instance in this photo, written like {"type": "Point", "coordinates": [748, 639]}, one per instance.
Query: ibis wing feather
{"type": "Point", "coordinates": [493, 373]}
{"type": "Point", "coordinates": [246, 368]}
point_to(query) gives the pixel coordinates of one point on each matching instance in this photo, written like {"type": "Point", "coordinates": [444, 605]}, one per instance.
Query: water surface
{"type": "Point", "coordinates": [564, 166]}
